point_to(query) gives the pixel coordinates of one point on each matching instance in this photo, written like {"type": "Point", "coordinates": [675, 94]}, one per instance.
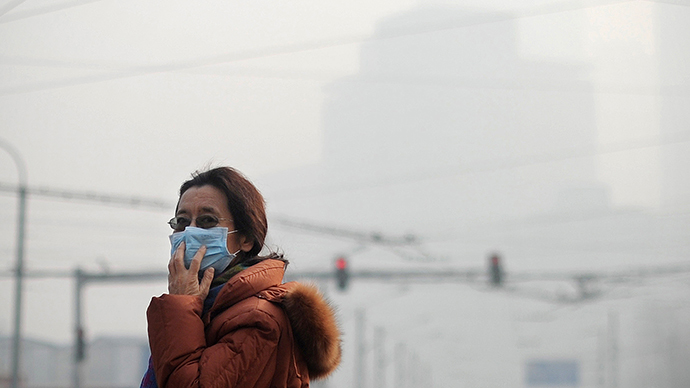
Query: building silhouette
{"type": "Point", "coordinates": [111, 362]}
{"type": "Point", "coordinates": [445, 114]}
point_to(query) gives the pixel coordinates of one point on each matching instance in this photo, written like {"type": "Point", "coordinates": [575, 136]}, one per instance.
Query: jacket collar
{"type": "Point", "coordinates": [249, 282]}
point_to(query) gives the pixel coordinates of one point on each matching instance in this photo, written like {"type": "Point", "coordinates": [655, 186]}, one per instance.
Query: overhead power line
{"type": "Point", "coordinates": [423, 275]}
{"type": "Point", "coordinates": [451, 82]}
{"type": "Point", "coordinates": [103, 199]}
{"type": "Point", "coordinates": [614, 276]}
{"type": "Point", "coordinates": [467, 21]}
{"type": "Point", "coordinates": [681, 3]}
{"type": "Point", "coordinates": [471, 275]}
{"type": "Point", "coordinates": [50, 8]}
{"type": "Point", "coordinates": [415, 177]}
{"type": "Point", "coordinates": [487, 166]}
{"type": "Point", "coordinates": [10, 6]}
{"type": "Point", "coordinates": [372, 237]}
{"type": "Point", "coordinates": [161, 205]}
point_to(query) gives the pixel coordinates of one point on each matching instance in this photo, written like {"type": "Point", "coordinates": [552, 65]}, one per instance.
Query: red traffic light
{"type": "Point", "coordinates": [342, 275]}
{"type": "Point", "coordinates": [495, 270]}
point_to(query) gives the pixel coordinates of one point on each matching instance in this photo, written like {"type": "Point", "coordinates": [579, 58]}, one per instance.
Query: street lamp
{"type": "Point", "coordinates": [19, 275]}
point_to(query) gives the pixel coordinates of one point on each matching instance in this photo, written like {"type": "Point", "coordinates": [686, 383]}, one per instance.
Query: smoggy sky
{"type": "Point", "coordinates": [551, 131]}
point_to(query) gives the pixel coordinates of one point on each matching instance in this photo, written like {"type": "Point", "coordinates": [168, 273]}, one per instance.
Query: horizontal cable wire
{"type": "Point", "coordinates": [474, 20]}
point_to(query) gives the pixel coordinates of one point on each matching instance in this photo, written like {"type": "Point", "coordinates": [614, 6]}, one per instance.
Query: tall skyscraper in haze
{"type": "Point", "coordinates": [445, 110]}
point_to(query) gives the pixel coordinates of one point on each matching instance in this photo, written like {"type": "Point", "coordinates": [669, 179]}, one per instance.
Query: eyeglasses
{"type": "Point", "coordinates": [206, 221]}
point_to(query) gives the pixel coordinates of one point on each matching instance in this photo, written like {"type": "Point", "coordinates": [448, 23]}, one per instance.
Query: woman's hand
{"type": "Point", "coordinates": [183, 281]}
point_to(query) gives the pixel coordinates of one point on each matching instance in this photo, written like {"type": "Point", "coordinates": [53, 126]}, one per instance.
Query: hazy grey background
{"type": "Point", "coordinates": [553, 132]}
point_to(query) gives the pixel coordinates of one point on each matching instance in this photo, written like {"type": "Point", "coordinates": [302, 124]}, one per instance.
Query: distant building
{"type": "Point", "coordinates": [468, 124]}
{"type": "Point", "coordinates": [43, 364]}
{"type": "Point", "coordinates": [670, 28]}
{"type": "Point", "coordinates": [116, 362]}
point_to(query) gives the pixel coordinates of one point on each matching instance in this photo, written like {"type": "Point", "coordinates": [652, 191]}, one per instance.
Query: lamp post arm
{"type": "Point", "coordinates": [18, 161]}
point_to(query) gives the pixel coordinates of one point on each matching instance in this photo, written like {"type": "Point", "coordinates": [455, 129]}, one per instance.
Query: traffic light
{"type": "Point", "coordinates": [495, 270]}
{"type": "Point", "coordinates": [342, 274]}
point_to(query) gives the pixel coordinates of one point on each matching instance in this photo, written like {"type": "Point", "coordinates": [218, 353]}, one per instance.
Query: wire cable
{"type": "Point", "coordinates": [475, 20]}
{"type": "Point", "coordinates": [484, 167]}
{"type": "Point", "coordinates": [104, 199]}
{"type": "Point", "coordinates": [681, 3]}
{"type": "Point", "coordinates": [10, 6]}
{"type": "Point", "coordinates": [549, 85]}
{"type": "Point", "coordinates": [19, 15]}
{"type": "Point", "coordinates": [417, 177]}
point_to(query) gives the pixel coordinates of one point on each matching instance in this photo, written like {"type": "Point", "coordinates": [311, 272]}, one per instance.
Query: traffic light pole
{"type": "Point", "coordinates": [81, 279]}
{"type": "Point", "coordinates": [418, 276]}
{"type": "Point", "coordinates": [19, 269]}
{"type": "Point", "coordinates": [78, 330]}
{"type": "Point", "coordinates": [17, 337]}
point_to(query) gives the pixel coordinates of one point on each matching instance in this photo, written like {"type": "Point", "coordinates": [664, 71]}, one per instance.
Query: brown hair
{"type": "Point", "coordinates": [246, 204]}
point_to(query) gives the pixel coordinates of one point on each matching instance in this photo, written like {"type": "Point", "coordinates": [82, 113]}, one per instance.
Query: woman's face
{"type": "Point", "coordinates": [208, 200]}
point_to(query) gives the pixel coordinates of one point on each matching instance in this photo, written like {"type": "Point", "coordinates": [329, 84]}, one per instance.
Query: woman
{"type": "Point", "coordinates": [227, 320]}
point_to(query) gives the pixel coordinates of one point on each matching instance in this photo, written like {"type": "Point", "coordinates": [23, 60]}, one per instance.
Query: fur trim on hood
{"type": "Point", "coordinates": [314, 327]}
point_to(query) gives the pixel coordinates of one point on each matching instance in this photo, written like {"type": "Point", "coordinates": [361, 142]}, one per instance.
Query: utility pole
{"type": "Point", "coordinates": [361, 349]}
{"type": "Point", "coordinates": [79, 342]}
{"type": "Point", "coordinates": [613, 349]}
{"type": "Point", "coordinates": [380, 356]}
{"type": "Point", "coordinates": [400, 366]}
{"type": "Point", "coordinates": [601, 359]}
{"type": "Point", "coordinates": [19, 266]}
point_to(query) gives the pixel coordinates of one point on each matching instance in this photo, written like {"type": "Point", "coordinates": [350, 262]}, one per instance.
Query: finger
{"type": "Point", "coordinates": [196, 261]}
{"type": "Point", "coordinates": [177, 260]}
{"type": "Point", "coordinates": [205, 284]}
{"type": "Point", "coordinates": [171, 263]}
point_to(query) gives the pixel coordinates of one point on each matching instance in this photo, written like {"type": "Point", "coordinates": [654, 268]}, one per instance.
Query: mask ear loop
{"type": "Point", "coordinates": [238, 251]}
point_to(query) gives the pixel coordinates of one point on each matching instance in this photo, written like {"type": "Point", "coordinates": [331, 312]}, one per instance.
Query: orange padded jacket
{"type": "Point", "coordinates": [258, 333]}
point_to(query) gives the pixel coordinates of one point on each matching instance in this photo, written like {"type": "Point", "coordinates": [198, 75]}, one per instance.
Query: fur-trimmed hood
{"type": "Point", "coordinates": [314, 325]}
{"type": "Point", "coordinates": [312, 318]}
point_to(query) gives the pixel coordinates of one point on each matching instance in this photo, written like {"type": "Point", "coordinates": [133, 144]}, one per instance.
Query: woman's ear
{"type": "Point", "coordinates": [246, 244]}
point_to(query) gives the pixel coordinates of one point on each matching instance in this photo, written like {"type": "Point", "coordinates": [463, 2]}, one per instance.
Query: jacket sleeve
{"type": "Point", "coordinates": [182, 358]}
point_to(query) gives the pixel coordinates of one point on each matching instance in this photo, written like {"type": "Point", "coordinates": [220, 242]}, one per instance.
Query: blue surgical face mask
{"type": "Point", "coordinates": [216, 241]}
